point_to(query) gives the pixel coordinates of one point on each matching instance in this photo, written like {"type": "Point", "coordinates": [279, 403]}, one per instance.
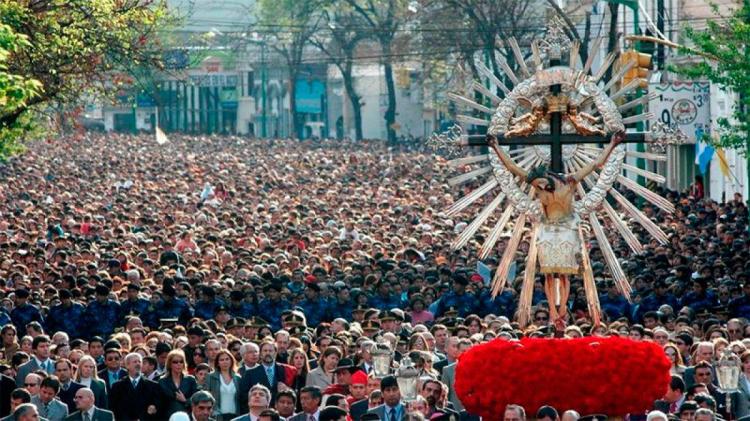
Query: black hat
{"type": "Point", "coordinates": [236, 295]}
{"type": "Point", "coordinates": [297, 331]}
{"type": "Point", "coordinates": [346, 364]}
{"type": "Point", "coordinates": [65, 294]}
{"type": "Point", "coordinates": [387, 316]}
{"type": "Point", "coordinates": [370, 325]}
{"type": "Point", "coordinates": [313, 286]}
{"type": "Point", "coordinates": [294, 318]}
{"type": "Point", "coordinates": [451, 310]}
{"type": "Point", "coordinates": [331, 413]}
{"type": "Point", "coordinates": [195, 330]}
{"type": "Point", "coordinates": [360, 309]}
{"type": "Point", "coordinates": [134, 287]}
{"type": "Point", "coordinates": [461, 279]}
{"type": "Point", "coordinates": [102, 289]}
{"type": "Point", "coordinates": [22, 293]}
{"type": "Point", "coordinates": [112, 344]}
{"type": "Point", "coordinates": [257, 322]}
{"type": "Point", "coordinates": [275, 287]}
{"type": "Point", "coordinates": [233, 323]}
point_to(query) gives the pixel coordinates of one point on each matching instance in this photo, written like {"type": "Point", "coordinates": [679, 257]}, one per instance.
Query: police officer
{"type": "Point", "coordinates": [103, 314]}
{"type": "Point", "coordinates": [67, 316]}
{"type": "Point", "coordinates": [171, 307]}
{"type": "Point", "coordinates": [465, 303]}
{"type": "Point", "coordinates": [24, 313]}
{"type": "Point", "coordinates": [206, 307]}
{"type": "Point", "coordinates": [315, 308]}
{"type": "Point", "coordinates": [133, 305]}
{"type": "Point", "coordinates": [238, 306]}
{"type": "Point", "coordinates": [272, 307]}
{"type": "Point", "coordinates": [384, 300]}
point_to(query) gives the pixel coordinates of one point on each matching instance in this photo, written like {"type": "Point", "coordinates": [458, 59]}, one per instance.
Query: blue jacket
{"type": "Point", "coordinates": [270, 311]}
{"type": "Point", "coordinates": [614, 307]}
{"type": "Point", "coordinates": [139, 307]}
{"type": "Point", "coordinates": [67, 319]}
{"type": "Point", "coordinates": [24, 315]}
{"type": "Point", "coordinates": [502, 305]}
{"type": "Point", "coordinates": [176, 308]}
{"type": "Point", "coordinates": [316, 311]}
{"type": "Point", "coordinates": [465, 304]}
{"type": "Point", "coordinates": [102, 318]}
{"type": "Point", "coordinates": [207, 310]}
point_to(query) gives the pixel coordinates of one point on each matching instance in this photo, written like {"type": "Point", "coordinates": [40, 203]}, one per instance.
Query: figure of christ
{"type": "Point", "coordinates": [558, 244]}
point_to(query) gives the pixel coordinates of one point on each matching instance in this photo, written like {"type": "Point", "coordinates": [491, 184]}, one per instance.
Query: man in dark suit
{"type": "Point", "coordinates": [84, 399]}
{"type": "Point", "coordinates": [311, 398]}
{"type": "Point", "coordinates": [7, 385]}
{"type": "Point", "coordinates": [134, 396]}
{"type": "Point", "coordinates": [112, 372]}
{"type": "Point", "coordinates": [68, 388]}
{"type": "Point", "coordinates": [675, 396]}
{"type": "Point", "coordinates": [269, 373]}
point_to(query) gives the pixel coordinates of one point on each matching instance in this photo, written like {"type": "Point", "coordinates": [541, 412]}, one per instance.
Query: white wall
{"type": "Point", "coordinates": [721, 186]}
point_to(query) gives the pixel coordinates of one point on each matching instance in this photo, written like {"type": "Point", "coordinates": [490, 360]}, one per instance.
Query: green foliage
{"type": "Point", "coordinates": [71, 48]}
{"type": "Point", "coordinates": [724, 51]}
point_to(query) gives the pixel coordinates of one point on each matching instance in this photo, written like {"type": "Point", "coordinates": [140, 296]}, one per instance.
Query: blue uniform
{"type": "Point", "coordinates": [316, 310]}
{"type": "Point", "coordinates": [464, 303]}
{"type": "Point", "coordinates": [740, 307]}
{"type": "Point", "coordinates": [615, 307]}
{"type": "Point", "coordinates": [652, 302]}
{"type": "Point", "coordinates": [384, 303]}
{"type": "Point", "coordinates": [502, 305]}
{"type": "Point", "coordinates": [270, 311]}
{"type": "Point", "coordinates": [341, 310]}
{"type": "Point", "coordinates": [4, 318]}
{"type": "Point", "coordinates": [102, 318]}
{"type": "Point", "coordinates": [206, 310]}
{"type": "Point", "coordinates": [705, 301]}
{"type": "Point", "coordinates": [70, 319]}
{"type": "Point", "coordinates": [137, 307]}
{"type": "Point", "coordinates": [24, 315]}
{"type": "Point", "coordinates": [242, 309]}
{"type": "Point", "coordinates": [175, 308]}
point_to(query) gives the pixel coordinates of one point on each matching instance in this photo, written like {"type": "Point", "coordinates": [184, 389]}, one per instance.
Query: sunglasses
{"type": "Point", "coordinates": [113, 358]}
{"type": "Point", "coordinates": [178, 362]}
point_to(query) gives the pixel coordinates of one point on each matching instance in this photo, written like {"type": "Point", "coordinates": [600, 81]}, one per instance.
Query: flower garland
{"type": "Point", "coordinates": [613, 376]}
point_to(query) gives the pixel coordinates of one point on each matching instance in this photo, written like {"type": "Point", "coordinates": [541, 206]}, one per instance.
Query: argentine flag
{"type": "Point", "coordinates": [703, 151]}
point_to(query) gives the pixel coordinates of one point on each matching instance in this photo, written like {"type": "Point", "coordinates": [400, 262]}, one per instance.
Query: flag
{"type": "Point", "coordinates": [485, 272]}
{"type": "Point", "coordinates": [161, 138]}
{"type": "Point", "coordinates": [723, 163]}
{"type": "Point", "coordinates": [703, 151]}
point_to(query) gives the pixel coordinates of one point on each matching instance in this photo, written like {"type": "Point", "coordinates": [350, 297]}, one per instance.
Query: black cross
{"type": "Point", "coordinates": [556, 139]}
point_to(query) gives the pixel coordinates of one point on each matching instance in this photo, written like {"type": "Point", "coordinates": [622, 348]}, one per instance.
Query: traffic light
{"type": "Point", "coordinates": [639, 71]}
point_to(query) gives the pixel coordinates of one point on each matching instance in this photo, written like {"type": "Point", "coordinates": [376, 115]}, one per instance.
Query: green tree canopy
{"type": "Point", "coordinates": [71, 48]}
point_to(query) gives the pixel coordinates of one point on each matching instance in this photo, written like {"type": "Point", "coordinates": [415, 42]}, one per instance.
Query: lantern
{"type": "Point", "coordinates": [382, 356]}
{"type": "Point", "coordinates": [728, 371]}
{"type": "Point", "coordinates": [407, 376]}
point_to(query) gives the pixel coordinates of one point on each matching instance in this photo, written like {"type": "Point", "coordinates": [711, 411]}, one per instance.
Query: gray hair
{"type": "Point", "coordinates": [656, 416]}
{"type": "Point", "coordinates": [262, 389]}
{"type": "Point", "coordinates": [705, 412]}
{"type": "Point", "coordinates": [519, 410]}
{"type": "Point", "coordinates": [22, 410]}
{"type": "Point", "coordinates": [133, 355]}
{"type": "Point", "coordinates": [248, 346]}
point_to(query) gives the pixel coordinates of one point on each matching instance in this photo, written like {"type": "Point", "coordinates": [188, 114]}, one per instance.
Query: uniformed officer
{"type": "Point", "coordinates": [272, 307]}
{"type": "Point", "coordinates": [67, 316]}
{"type": "Point", "coordinates": [315, 308]}
{"type": "Point", "coordinates": [24, 313]}
{"type": "Point", "coordinates": [103, 314]}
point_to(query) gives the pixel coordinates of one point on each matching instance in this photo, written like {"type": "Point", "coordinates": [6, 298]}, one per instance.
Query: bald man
{"type": "Point", "coordinates": [86, 410]}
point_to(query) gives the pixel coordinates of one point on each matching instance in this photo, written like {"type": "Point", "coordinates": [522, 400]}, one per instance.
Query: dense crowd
{"type": "Point", "coordinates": [227, 278]}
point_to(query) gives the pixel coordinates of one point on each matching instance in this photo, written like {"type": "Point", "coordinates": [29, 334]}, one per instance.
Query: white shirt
{"type": "Point", "coordinates": [85, 381]}
{"type": "Point", "coordinates": [227, 393]}
{"type": "Point", "coordinates": [316, 415]}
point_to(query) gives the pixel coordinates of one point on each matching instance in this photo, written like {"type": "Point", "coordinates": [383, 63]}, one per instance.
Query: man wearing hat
{"type": "Point", "coordinates": [67, 316]}
{"type": "Point", "coordinates": [343, 377]}
{"type": "Point", "coordinates": [103, 314]}
{"type": "Point", "coordinates": [273, 305]}
{"type": "Point", "coordinates": [384, 300]}
{"type": "Point", "coordinates": [171, 307]}
{"type": "Point", "coordinates": [658, 298]}
{"type": "Point", "coordinates": [24, 313]}
{"type": "Point", "coordinates": [206, 307]}
{"type": "Point", "coordinates": [238, 307]}
{"type": "Point", "coordinates": [392, 408]}
{"type": "Point", "coordinates": [133, 305]}
{"type": "Point", "coordinates": [371, 328]}
{"type": "Point", "coordinates": [314, 308]}
{"type": "Point", "coordinates": [465, 303]}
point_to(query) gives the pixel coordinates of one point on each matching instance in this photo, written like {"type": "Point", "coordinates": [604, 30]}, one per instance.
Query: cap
{"type": "Point", "coordinates": [345, 364]}
{"type": "Point", "coordinates": [359, 377]}
{"type": "Point", "coordinates": [370, 325]}
{"type": "Point", "coordinates": [195, 330]}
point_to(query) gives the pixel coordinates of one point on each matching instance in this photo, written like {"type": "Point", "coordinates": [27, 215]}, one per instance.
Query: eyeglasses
{"type": "Point", "coordinates": [541, 319]}
{"type": "Point", "coordinates": [113, 358]}
{"type": "Point", "coordinates": [31, 384]}
{"type": "Point", "coordinates": [735, 330]}
{"type": "Point", "coordinates": [178, 362]}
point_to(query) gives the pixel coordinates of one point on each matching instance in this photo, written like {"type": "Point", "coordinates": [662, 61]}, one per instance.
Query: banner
{"type": "Point", "coordinates": [684, 104]}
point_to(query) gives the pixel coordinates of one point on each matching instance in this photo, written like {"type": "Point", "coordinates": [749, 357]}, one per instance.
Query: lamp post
{"type": "Point", "coordinates": [728, 371]}
{"type": "Point", "coordinates": [382, 356]}
{"type": "Point", "coordinates": [407, 376]}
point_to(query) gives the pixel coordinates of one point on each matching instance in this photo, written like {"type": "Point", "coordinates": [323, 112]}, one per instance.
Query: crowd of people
{"type": "Point", "coordinates": [228, 278]}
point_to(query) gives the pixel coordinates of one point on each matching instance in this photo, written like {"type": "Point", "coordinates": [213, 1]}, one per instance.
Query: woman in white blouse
{"type": "Point", "coordinates": [224, 385]}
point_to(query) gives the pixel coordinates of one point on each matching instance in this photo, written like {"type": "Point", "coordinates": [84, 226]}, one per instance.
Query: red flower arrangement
{"type": "Point", "coordinates": [613, 376]}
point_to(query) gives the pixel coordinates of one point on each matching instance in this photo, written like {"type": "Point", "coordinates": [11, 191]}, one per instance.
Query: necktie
{"type": "Point", "coordinates": [393, 415]}
{"type": "Point", "coordinates": [86, 416]}
{"type": "Point", "coordinates": [65, 386]}
{"type": "Point", "coordinates": [269, 374]}
{"type": "Point", "coordinates": [673, 407]}
{"type": "Point", "coordinates": [135, 383]}
{"type": "Point", "coordinates": [311, 417]}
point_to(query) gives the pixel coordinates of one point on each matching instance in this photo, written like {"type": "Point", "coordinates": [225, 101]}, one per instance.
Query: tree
{"type": "Point", "coordinates": [722, 55]}
{"type": "Point", "coordinates": [15, 91]}
{"type": "Point", "coordinates": [293, 25]}
{"type": "Point", "coordinates": [74, 45]}
{"type": "Point", "coordinates": [384, 18]}
{"type": "Point", "coordinates": [340, 35]}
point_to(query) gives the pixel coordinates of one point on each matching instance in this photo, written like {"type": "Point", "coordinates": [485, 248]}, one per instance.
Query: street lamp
{"type": "Point", "coordinates": [382, 356]}
{"type": "Point", "coordinates": [728, 371]}
{"type": "Point", "coordinates": [407, 376]}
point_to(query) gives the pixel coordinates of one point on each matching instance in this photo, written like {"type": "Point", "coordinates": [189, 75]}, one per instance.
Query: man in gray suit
{"type": "Point", "coordinates": [47, 404]}
{"type": "Point", "coordinates": [39, 359]}
{"type": "Point", "coordinates": [84, 400]}
{"type": "Point", "coordinates": [392, 409]}
{"type": "Point", "coordinates": [310, 398]}
{"type": "Point", "coordinates": [449, 378]}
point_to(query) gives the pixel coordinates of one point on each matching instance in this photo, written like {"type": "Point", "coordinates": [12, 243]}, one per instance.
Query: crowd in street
{"type": "Point", "coordinates": [235, 279]}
